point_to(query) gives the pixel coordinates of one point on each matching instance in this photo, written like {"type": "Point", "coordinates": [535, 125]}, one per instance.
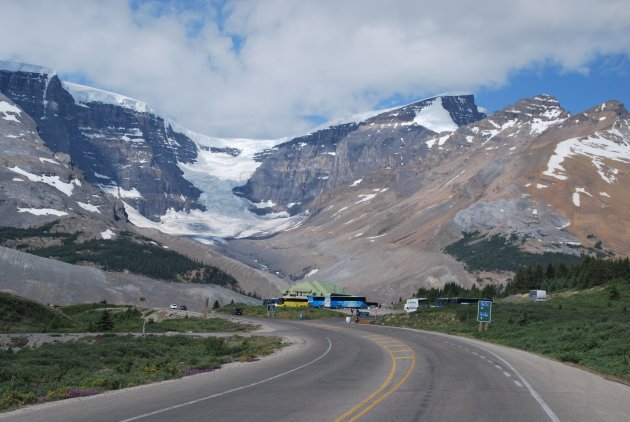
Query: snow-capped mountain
{"type": "Point", "coordinates": [370, 203]}
{"type": "Point", "coordinates": [169, 178]}
{"type": "Point", "coordinates": [294, 173]}
{"type": "Point", "coordinates": [39, 186]}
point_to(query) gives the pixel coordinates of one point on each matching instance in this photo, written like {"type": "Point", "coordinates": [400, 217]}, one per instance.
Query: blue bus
{"type": "Point", "coordinates": [316, 301]}
{"type": "Point", "coordinates": [338, 302]}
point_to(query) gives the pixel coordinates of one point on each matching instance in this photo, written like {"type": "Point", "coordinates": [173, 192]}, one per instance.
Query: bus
{"type": "Point", "coordinates": [316, 301]}
{"type": "Point", "coordinates": [338, 302]}
{"type": "Point", "coordinates": [271, 301]}
{"type": "Point", "coordinates": [292, 302]}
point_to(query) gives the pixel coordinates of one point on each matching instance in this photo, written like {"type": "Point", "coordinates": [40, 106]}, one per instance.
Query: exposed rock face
{"type": "Point", "coordinates": [531, 172]}
{"type": "Point", "coordinates": [294, 173]}
{"type": "Point", "coordinates": [131, 153]}
{"type": "Point", "coordinates": [38, 186]}
{"type": "Point", "coordinates": [379, 198]}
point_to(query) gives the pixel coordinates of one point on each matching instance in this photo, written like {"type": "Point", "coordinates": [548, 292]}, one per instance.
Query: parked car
{"type": "Point", "coordinates": [173, 306]}
{"type": "Point", "coordinates": [183, 308]}
{"type": "Point", "coordinates": [237, 311]}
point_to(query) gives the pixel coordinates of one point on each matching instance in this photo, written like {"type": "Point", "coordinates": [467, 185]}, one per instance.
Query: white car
{"type": "Point", "coordinates": [173, 306]}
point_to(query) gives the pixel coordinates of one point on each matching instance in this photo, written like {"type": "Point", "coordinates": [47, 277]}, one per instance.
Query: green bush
{"type": "Point", "coordinates": [94, 364]}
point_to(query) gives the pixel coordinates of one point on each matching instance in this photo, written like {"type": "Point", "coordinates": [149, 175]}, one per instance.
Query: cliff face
{"type": "Point", "coordinates": [38, 186]}
{"type": "Point", "coordinates": [131, 153]}
{"type": "Point", "coordinates": [295, 173]}
{"type": "Point", "coordinates": [373, 202]}
{"type": "Point", "coordinates": [531, 175]}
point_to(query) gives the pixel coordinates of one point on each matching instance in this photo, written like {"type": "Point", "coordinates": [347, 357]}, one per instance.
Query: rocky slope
{"type": "Point", "coordinates": [542, 180]}
{"type": "Point", "coordinates": [126, 149]}
{"type": "Point", "coordinates": [296, 172]}
{"type": "Point", "coordinates": [38, 186]}
{"type": "Point", "coordinates": [371, 203]}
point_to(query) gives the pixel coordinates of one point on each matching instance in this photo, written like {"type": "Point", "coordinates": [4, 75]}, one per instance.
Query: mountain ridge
{"type": "Point", "coordinates": [369, 204]}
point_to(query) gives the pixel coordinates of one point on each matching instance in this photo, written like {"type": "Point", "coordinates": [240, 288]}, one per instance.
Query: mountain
{"type": "Point", "coordinates": [528, 185]}
{"type": "Point", "coordinates": [40, 186]}
{"type": "Point", "coordinates": [294, 173]}
{"type": "Point", "coordinates": [382, 204]}
{"type": "Point", "coordinates": [117, 142]}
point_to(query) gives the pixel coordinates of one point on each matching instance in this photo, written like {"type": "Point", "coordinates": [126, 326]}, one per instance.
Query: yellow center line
{"type": "Point", "coordinates": [391, 390]}
{"type": "Point", "coordinates": [384, 385]}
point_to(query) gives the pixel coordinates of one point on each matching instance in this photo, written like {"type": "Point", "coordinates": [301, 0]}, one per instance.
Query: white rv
{"type": "Point", "coordinates": [413, 304]}
{"type": "Point", "coordinates": [538, 295]}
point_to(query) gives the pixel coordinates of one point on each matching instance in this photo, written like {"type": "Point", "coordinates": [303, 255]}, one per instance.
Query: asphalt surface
{"type": "Point", "coordinates": [345, 372]}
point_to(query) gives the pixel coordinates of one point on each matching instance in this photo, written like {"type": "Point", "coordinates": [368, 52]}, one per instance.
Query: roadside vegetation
{"type": "Point", "coordinates": [589, 328]}
{"type": "Point", "coordinates": [105, 360]}
{"type": "Point", "coordinates": [99, 363]}
{"type": "Point", "coordinates": [281, 312]}
{"type": "Point", "coordinates": [21, 315]}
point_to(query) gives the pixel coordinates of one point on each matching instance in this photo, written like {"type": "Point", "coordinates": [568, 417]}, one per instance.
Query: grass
{"type": "Point", "coordinates": [21, 315]}
{"type": "Point", "coordinates": [281, 313]}
{"type": "Point", "coordinates": [586, 328]}
{"type": "Point", "coordinates": [130, 319]}
{"type": "Point", "coordinates": [98, 363]}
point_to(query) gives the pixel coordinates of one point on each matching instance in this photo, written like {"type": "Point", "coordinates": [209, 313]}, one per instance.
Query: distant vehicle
{"type": "Point", "coordinates": [272, 301]}
{"type": "Point", "coordinates": [339, 301]}
{"type": "Point", "coordinates": [413, 304]}
{"type": "Point", "coordinates": [183, 308]}
{"type": "Point", "coordinates": [173, 306]}
{"type": "Point", "coordinates": [538, 295]}
{"type": "Point", "coordinates": [237, 311]}
{"type": "Point", "coordinates": [292, 302]}
{"type": "Point", "coordinates": [316, 301]}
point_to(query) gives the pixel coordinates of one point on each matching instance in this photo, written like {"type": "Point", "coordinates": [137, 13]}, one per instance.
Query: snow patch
{"type": "Point", "coordinates": [107, 234]}
{"type": "Point", "coordinates": [53, 181]}
{"type": "Point", "coordinates": [85, 94]}
{"type": "Point", "coordinates": [596, 147]}
{"type": "Point", "coordinates": [366, 197]}
{"type": "Point", "coordinates": [89, 207]}
{"type": "Point", "coordinates": [119, 192]}
{"type": "Point", "coordinates": [6, 108]}
{"type": "Point", "coordinates": [312, 272]}
{"type": "Point", "coordinates": [43, 211]}
{"type": "Point", "coordinates": [576, 196]}
{"type": "Point", "coordinates": [356, 183]}
{"type": "Point", "coordinates": [435, 117]}
{"type": "Point", "coordinates": [48, 160]}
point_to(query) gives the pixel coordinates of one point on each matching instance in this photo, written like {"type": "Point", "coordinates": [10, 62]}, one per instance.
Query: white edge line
{"type": "Point", "coordinates": [188, 403]}
{"type": "Point", "coordinates": [533, 392]}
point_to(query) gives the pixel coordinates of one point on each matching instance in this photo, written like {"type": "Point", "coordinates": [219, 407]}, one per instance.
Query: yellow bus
{"type": "Point", "coordinates": [292, 302]}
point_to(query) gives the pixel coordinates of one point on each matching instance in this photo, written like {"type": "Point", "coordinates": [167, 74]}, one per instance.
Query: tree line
{"type": "Point", "coordinates": [588, 272]}
{"type": "Point", "coordinates": [139, 257]}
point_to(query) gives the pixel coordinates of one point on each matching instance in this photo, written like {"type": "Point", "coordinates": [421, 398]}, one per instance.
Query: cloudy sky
{"type": "Point", "coordinates": [274, 68]}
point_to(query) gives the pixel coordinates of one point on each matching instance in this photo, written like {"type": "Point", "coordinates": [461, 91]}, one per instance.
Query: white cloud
{"type": "Point", "coordinates": [295, 59]}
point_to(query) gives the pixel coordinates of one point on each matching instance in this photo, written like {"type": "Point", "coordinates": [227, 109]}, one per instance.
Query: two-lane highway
{"type": "Point", "coordinates": [346, 372]}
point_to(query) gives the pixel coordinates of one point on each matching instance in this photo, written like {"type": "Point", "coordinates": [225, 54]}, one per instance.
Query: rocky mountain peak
{"type": "Point", "coordinates": [443, 113]}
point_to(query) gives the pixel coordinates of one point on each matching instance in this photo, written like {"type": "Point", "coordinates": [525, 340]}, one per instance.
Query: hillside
{"type": "Point", "coordinates": [588, 328]}
{"type": "Point", "coordinates": [21, 315]}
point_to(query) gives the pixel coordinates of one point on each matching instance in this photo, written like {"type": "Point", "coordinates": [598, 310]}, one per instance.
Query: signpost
{"type": "Point", "coordinates": [484, 314]}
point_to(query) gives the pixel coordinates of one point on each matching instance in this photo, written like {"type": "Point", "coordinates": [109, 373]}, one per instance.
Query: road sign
{"type": "Point", "coordinates": [484, 311]}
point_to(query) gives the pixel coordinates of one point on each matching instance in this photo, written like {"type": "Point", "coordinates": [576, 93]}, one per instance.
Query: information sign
{"type": "Point", "coordinates": [484, 311]}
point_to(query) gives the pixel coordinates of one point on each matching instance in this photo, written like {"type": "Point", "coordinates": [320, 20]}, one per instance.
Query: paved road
{"type": "Point", "coordinates": [346, 372]}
